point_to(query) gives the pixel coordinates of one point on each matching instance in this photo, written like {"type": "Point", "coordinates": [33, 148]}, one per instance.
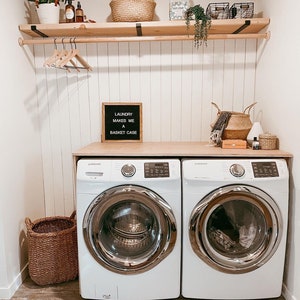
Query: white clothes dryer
{"type": "Point", "coordinates": [235, 215]}
{"type": "Point", "coordinates": [129, 228]}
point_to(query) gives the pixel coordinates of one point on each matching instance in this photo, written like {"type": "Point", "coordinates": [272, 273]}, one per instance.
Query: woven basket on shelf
{"type": "Point", "coordinates": [238, 125]}
{"type": "Point", "coordinates": [52, 249]}
{"type": "Point", "coordinates": [132, 10]}
{"type": "Point", "coordinates": [268, 141]}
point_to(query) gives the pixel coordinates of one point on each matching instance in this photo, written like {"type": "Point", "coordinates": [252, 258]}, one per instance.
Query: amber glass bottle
{"type": "Point", "coordinates": [79, 13]}
{"type": "Point", "coordinates": [70, 12]}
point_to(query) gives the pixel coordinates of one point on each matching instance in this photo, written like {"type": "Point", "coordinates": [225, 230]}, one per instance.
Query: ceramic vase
{"type": "Point", "coordinates": [255, 130]}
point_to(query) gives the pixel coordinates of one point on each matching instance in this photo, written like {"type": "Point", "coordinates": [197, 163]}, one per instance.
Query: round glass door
{"type": "Point", "coordinates": [129, 229]}
{"type": "Point", "coordinates": [236, 228]}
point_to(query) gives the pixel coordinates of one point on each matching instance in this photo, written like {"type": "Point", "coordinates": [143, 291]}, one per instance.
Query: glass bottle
{"type": "Point", "coordinates": [70, 12]}
{"type": "Point", "coordinates": [79, 13]}
{"type": "Point", "coordinates": [255, 144]}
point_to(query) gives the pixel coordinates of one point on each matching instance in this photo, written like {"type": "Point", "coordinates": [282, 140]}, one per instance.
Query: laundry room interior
{"type": "Point", "coordinates": [50, 113]}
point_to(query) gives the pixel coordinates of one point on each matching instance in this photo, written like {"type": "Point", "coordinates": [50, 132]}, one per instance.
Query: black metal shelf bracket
{"type": "Point", "coordinates": [34, 29]}
{"type": "Point", "coordinates": [138, 27]}
{"type": "Point", "coordinates": [247, 23]}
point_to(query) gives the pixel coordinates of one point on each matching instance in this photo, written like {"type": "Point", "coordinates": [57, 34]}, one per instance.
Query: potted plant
{"type": "Point", "coordinates": [201, 26]}
{"type": "Point", "coordinates": [47, 10]}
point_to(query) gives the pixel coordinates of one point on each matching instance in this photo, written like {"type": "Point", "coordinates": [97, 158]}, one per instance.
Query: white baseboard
{"type": "Point", "coordinates": [287, 294]}
{"type": "Point", "coordinates": [8, 292]}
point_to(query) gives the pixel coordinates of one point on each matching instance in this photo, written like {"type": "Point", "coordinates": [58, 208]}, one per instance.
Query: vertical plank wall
{"type": "Point", "coordinates": [175, 82]}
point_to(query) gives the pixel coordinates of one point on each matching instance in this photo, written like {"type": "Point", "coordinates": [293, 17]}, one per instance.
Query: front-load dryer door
{"type": "Point", "coordinates": [129, 229]}
{"type": "Point", "coordinates": [236, 228]}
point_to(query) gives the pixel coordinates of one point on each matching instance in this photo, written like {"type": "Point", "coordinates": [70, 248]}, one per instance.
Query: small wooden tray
{"type": "Point", "coordinates": [234, 144]}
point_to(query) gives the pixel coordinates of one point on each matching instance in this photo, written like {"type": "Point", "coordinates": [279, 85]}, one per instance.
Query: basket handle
{"type": "Point", "coordinates": [248, 108]}
{"type": "Point", "coordinates": [73, 215]}
{"type": "Point", "coordinates": [216, 106]}
{"type": "Point", "coordinates": [28, 223]}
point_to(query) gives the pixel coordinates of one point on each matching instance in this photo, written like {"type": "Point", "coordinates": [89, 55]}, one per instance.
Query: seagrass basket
{"type": "Point", "coordinates": [239, 123]}
{"type": "Point", "coordinates": [268, 141]}
{"type": "Point", "coordinates": [132, 10]}
{"type": "Point", "coordinates": [52, 249]}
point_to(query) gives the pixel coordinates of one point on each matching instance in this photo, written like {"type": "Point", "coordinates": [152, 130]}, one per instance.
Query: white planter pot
{"type": "Point", "coordinates": [48, 13]}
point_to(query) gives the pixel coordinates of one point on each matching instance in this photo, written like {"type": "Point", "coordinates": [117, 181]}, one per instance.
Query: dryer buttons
{"type": "Point", "coordinates": [237, 170]}
{"type": "Point", "coordinates": [128, 170]}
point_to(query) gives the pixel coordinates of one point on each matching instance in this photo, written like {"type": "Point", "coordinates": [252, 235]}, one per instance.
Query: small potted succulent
{"type": "Point", "coordinates": [47, 10]}
{"type": "Point", "coordinates": [201, 26]}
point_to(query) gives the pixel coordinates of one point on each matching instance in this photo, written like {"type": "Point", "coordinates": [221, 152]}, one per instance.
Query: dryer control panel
{"type": "Point", "coordinates": [156, 169]}
{"type": "Point", "coordinates": [265, 169]}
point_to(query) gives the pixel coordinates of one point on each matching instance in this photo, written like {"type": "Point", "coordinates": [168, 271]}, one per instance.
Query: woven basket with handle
{"type": "Point", "coordinates": [132, 10]}
{"type": "Point", "coordinates": [52, 249]}
{"type": "Point", "coordinates": [238, 125]}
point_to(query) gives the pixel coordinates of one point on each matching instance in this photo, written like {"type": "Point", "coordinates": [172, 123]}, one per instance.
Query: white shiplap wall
{"type": "Point", "coordinates": [175, 82]}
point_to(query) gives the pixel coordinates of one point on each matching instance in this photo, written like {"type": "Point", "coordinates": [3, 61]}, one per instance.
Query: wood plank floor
{"type": "Point", "coordinates": [63, 291]}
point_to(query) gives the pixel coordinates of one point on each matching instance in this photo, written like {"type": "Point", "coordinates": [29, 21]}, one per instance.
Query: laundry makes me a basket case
{"type": "Point", "coordinates": [52, 249]}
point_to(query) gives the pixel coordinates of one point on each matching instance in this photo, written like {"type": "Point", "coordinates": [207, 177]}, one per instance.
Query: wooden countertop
{"type": "Point", "coordinates": [170, 149]}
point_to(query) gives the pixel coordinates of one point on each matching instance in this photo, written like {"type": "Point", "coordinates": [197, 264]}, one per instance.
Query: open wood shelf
{"type": "Point", "coordinates": [131, 31]}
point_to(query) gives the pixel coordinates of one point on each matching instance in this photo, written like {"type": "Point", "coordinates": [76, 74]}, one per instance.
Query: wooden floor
{"type": "Point", "coordinates": [64, 291]}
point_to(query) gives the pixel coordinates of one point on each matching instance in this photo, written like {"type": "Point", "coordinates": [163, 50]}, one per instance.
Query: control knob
{"type": "Point", "coordinates": [128, 170]}
{"type": "Point", "coordinates": [237, 170]}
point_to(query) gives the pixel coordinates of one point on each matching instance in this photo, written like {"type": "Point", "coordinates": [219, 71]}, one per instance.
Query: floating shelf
{"type": "Point", "coordinates": [142, 31]}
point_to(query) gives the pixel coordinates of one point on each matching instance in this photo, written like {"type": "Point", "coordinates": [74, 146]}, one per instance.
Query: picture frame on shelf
{"type": "Point", "coordinates": [177, 9]}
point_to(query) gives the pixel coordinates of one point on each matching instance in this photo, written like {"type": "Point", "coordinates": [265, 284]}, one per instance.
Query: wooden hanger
{"type": "Point", "coordinates": [61, 58]}
{"type": "Point", "coordinates": [53, 57]}
{"type": "Point", "coordinates": [74, 53]}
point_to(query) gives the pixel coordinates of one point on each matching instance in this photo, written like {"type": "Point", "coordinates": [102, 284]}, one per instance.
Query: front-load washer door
{"type": "Point", "coordinates": [236, 228]}
{"type": "Point", "coordinates": [129, 229]}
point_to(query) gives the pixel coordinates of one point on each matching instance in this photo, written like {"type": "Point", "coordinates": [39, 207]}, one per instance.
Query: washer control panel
{"type": "Point", "coordinates": [265, 169]}
{"type": "Point", "coordinates": [156, 169]}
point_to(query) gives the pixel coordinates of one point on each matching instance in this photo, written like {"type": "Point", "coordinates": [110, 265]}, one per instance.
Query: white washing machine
{"type": "Point", "coordinates": [129, 228]}
{"type": "Point", "coordinates": [235, 215]}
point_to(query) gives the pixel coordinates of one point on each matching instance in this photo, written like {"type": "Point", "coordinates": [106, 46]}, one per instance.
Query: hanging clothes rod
{"type": "Point", "coordinates": [65, 40]}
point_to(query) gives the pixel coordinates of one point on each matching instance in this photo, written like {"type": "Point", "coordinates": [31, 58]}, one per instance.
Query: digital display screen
{"type": "Point", "coordinates": [156, 170]}
{"type": "Point", "coordinates": [265, 169]}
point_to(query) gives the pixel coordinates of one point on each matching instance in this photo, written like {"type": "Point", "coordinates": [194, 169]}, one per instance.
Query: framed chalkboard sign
{"type": "Point", "coordinates": [121, 122]}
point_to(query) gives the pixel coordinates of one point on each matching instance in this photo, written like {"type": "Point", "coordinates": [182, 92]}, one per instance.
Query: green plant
{"type": "Point", "coordinates": [201, 26]}
{"type": "Point", "coordinates": [37, 2]}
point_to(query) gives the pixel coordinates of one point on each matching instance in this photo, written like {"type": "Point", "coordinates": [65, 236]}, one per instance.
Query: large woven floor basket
{"type": "Point", "coordinates": [132, 10]}
{"type": "Point", "coordinates": [52, 249]}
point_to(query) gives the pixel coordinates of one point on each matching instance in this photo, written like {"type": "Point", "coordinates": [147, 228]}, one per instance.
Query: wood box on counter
{"type": "Point", "coordinates": [234, 144]}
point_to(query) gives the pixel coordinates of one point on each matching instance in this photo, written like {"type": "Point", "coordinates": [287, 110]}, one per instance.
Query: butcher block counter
{"type": "Point", "coordinates": [171, 149]}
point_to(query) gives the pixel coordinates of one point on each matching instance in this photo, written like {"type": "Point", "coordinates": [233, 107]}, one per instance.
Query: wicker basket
{"type": "Point", "coordinates": [238, 125]}
{"type": "Point", "coordinates": [52, 249]}
{"type": "Point", "coordinates": [218, 10]}
{"type": "Point", "coordinates": [132, 10]}
{"type": "Point", "coordinates": [268, 141]}
{"type": "Point", "coordinates": [242, 10]}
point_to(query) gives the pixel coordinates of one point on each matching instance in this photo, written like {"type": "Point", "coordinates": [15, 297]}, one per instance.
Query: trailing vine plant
{"type": "Point", "coordinates": [37, 2]}
{"type": "Point", "coordinates": [201, 26]}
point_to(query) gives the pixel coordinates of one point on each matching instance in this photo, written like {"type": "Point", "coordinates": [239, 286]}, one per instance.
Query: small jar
{"type": "Point", "coordinates": [255, 143]}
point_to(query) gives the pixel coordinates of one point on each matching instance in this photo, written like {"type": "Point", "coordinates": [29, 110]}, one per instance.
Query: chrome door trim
{"type": "Point", "coordinates": [249, 261]}
{"type": "Point", "coordinates": [137, 197]}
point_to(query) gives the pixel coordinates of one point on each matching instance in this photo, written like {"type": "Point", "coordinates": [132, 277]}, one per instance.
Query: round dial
{"type": "Point", "coordinates": [237, 170]}
{"type": "Point", "coordinates": [128, 170]}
